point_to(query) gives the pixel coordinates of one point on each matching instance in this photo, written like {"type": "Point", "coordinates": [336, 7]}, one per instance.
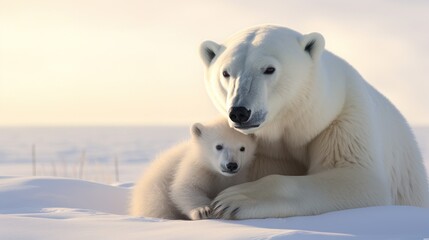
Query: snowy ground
{"type": "Point", "coordinates": [94, 207]}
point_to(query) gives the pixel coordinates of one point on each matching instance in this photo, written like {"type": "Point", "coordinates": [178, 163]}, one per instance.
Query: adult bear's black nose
{"type": "Point", "coordinates": [232, 166]}
{"type": "Point", "coordinates": [239, 114]}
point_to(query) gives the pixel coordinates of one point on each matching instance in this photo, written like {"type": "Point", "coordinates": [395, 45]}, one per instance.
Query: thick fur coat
{"type": "Point", "coordinates": [336, 142]}
{"type": "Point", "coordinates": [182, 182]}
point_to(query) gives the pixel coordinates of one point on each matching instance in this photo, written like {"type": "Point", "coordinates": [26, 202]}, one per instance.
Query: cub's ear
{"type": "Point", "coordinates": [313, 44]}
{"type": "Point", "coordinates": [208, 51]}
{"type": "Point", "coordinates": [197, 129]}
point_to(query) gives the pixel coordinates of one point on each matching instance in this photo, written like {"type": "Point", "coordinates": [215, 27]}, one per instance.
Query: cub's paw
{"type": "Point", "coordinates": [200, 213]}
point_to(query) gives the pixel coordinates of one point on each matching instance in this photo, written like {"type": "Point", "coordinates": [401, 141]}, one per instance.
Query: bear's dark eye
{"type": "Point", "coordinates": [242, 149]}
{"type": "Point", "coordinates": [225, 74]}
{"type": "Point", "coordinates": [219, 147]}
{"type": "Point", "coordinates": [269, 70]}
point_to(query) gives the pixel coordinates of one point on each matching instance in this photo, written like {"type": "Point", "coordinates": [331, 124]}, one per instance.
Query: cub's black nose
{"type": "Point", "coordinates": [232, 166]}
{"type": "Point", "coordinates": [239, 114]}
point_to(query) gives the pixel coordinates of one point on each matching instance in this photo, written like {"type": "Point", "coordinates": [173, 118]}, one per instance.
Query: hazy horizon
{"type": "Point", "coordinates": [133, 63]}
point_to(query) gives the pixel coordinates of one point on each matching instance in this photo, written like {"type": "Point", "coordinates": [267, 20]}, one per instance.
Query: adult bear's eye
{"type": "Point", "coordinates": [269, 70]}
{"type": "Point", "coordinates": [219, 147]}
{"type": "Point", "coordinates": [225, 74]}
{"type": "Point", "coordinates": [242, 149]}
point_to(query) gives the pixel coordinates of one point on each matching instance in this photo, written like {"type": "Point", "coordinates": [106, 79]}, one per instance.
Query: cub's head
{"type": "Point", "coordinates": [260, 72]}
{"type": "Point", "coordinates": [226, 150]}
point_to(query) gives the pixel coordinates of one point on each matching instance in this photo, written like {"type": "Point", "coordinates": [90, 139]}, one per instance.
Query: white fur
{"type": "Point", "coordinates": [182, 182]}
{"type": "Point", "coordinates": [318, 118]}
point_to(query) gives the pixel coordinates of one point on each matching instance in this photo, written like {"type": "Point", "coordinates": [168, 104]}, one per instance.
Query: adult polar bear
{"type": "Point", "coordinates": [333, 140]}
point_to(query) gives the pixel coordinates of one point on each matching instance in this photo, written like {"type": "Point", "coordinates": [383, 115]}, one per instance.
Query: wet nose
{"type": "Point", "coordinates": [232, 166]}
{"type": "Point", "coordinates": [239, 114]}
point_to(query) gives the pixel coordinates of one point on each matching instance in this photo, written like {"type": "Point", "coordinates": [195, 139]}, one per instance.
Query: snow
{"type": "Point", "coordinates": [64, 207]}
{"type": "Point", "coordinates": [53, 208]}
{"type": "Point", "coordinates": [21, 195]}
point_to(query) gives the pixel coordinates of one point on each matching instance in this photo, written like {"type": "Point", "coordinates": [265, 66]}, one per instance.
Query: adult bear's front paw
{"type": "Point", "coordinates": [232, 207]}
{"type": "Point", "coordinates": [263, 198]}
{"type": "Point", "coordinates": [200, 213]}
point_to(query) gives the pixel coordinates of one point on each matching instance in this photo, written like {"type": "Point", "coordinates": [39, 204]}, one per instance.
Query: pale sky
{"type": "Point", "coordinates": [136, 62]}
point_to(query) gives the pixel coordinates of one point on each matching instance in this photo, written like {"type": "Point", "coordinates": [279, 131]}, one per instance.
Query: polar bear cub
{"type": "Point", "coordinates": [182, 182]}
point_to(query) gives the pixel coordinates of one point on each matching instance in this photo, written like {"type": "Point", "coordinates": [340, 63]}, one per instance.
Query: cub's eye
{"type": "Point", "coordinates": [269, 70]}
{"type": "Point", "coordinates": [225, 74]}
{"type": "Point", "coordinates": [219, 147]}
{"type": "Point", "coordinates": [242, 149]}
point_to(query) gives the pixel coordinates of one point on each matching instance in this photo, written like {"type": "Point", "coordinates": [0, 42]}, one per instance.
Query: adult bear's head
{"type": "Point", "coordinates": [259, 73]}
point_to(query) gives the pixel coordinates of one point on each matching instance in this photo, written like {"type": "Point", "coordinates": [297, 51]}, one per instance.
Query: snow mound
{"type": "Point", "coordinates": [29, 194]}
{"type": "Point", "coordinates": [58, 208]}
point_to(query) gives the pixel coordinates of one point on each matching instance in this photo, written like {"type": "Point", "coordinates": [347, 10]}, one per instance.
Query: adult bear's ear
{"type": "Point", "coordinates": [313, 44]}
{"type": "Point", "coordinates": [197, 129]}
{"type": "Point", "coordinates": [208, 51]}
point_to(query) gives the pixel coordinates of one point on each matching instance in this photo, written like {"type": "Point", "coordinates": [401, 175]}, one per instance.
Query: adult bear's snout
{"type": "Point", "coordinates": [239, 114]}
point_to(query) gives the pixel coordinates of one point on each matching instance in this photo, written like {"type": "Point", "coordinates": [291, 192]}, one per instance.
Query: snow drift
{"type": "Point", "coordinates": [59, 208]}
